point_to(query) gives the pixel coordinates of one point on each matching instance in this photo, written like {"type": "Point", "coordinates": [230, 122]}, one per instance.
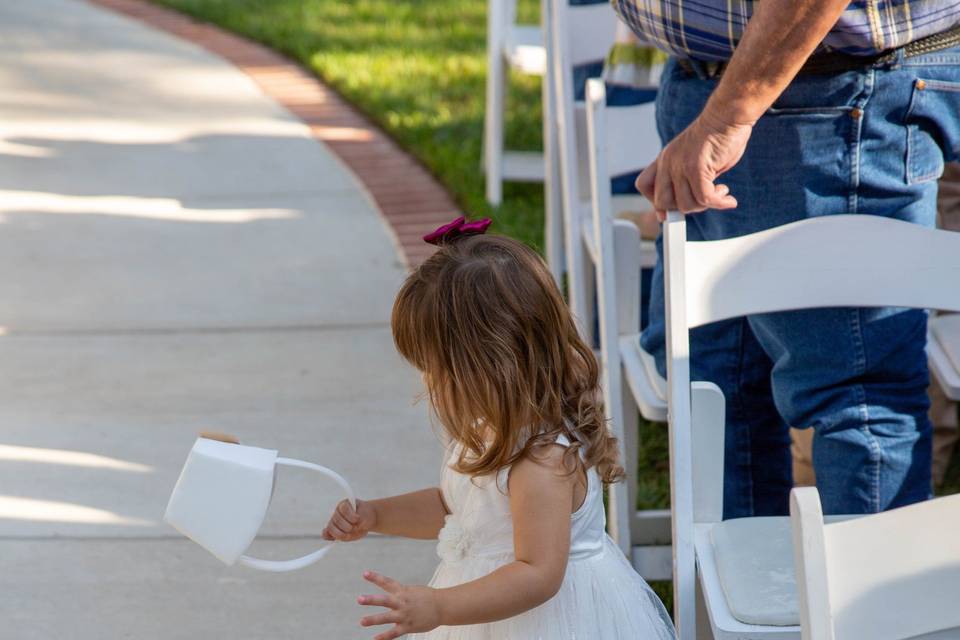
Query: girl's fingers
{"type": "Point", "coordinates": [339, 533]}
{"type": "Point", "coordinates": [341, 523]}
{"type": "Point", "coordinates": [380, 618]}
{"type": "Point", "coordinates": [396, 632]}
{"type": "Point", "coordinates": [387, 584]}
{"type": "Point", "coordinates": [347, 512]}
{"type": "Point", "coordinates": [378, 600]}
{"type": "Point", "coordinates": [326, 535]}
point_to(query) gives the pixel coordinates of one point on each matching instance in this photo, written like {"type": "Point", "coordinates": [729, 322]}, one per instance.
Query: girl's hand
{"type": "Point", "coordinates": [348, 524]}
{"type": "Point", "coordinates": [413, 608]}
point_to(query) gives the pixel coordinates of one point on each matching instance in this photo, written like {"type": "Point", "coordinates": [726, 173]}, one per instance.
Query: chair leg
{"type": "Point", "coordinates": [631, 445]}
{"type": "Point", "coordinates": [495, 104]}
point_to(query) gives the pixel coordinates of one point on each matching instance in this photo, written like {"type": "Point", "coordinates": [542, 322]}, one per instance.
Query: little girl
{"type": "Point", "coordinates": [519, 512]}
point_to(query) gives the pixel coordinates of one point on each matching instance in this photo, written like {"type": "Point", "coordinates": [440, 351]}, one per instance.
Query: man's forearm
{"type": "Point", "coordinates": [780, 37]}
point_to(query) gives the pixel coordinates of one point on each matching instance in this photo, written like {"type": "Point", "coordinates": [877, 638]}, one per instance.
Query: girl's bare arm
{"type": "Point", "coordinates": [412, 515]}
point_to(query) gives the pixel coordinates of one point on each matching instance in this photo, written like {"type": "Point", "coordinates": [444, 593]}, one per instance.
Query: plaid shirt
{"type": "Point", "coordinates": [711, 29]}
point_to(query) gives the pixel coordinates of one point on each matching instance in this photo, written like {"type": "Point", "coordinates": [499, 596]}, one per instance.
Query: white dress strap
{"type": "Point", "coordinates": [564, 441]}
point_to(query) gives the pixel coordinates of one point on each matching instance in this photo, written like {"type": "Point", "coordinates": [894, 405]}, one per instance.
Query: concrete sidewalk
{"type": "Point", "coordinates": [177, 254]}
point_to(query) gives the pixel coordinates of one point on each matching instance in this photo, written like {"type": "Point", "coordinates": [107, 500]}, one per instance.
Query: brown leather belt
{"type": "Point", "coordinates": [830, 62]}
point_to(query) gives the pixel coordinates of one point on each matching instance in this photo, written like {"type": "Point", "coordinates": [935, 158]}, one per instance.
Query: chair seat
{"type": "Point", "coordinates": [724, 624]}
{"type": "Point", "coordinates": [747, 572]}
{"type": "Point", "coordinates": [754, 563]}
{"type": "Point", "coordinates": [647, 385]}
{"type": "Point", "coordinates": [944, 352]}
{"type": "Point", "coordinates": [524, 49]}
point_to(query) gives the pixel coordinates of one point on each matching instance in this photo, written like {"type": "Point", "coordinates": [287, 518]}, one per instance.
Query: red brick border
{"type": "Point", "coordinates": [408, 196]}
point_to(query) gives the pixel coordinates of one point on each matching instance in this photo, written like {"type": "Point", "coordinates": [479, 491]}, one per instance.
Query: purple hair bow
{"type": "Point", "coordinates": [456, 229]}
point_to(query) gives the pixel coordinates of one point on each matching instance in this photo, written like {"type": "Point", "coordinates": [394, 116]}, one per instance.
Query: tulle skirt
{"type": "Point", "coordinates": [602, 598]}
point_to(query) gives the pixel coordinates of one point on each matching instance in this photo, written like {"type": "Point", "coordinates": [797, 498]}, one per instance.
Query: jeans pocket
{"type": "Point", "coordinates": [797, 164]}
{"type": "Point", "coordinates": [933, 129]}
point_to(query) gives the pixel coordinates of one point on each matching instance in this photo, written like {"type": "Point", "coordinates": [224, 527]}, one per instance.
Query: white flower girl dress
{"type": "Point", "coordinates": [602, 597]}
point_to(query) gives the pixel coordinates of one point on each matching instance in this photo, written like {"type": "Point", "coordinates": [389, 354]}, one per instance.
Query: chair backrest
{"type": "Point", "coordinates": [888, 576]}
{"type": "Point", "coordinates": [830, 261]}
{"type": "Point", "coordinates": [629, 140]}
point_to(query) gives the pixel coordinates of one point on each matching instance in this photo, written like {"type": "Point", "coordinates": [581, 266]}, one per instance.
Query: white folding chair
{"type": "Point", "coordinates": [745, 566]}
{"type": "Point", "coordinates": [510, 46]}
{"type": "Point", "coordinates": [581, 34]}
{"type": "Point", "coordinates": [888, 576]}
{"type": "Point", "coordinates": [622, 139]}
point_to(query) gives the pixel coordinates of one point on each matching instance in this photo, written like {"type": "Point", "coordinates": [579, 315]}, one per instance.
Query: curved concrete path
{"type": "Point", "coordinates": [177, 254]}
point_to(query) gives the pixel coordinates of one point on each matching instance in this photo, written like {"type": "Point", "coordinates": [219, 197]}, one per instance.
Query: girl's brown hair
{"type": "Point", "coordinates": [484, 321]}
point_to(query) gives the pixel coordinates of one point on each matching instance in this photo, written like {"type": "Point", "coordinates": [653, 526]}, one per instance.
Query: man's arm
{"type": "Point", "coordinates": [779, 38]}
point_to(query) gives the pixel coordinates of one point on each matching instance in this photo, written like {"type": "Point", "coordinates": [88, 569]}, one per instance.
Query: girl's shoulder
{"type": "Point", "coordinates": [548, 451]}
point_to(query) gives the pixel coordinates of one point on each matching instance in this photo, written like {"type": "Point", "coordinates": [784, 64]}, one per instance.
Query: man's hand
{"type": "Point", "coordinates": [413, 608]}
{"type": "Point", "coordinates": [348, 524]}
{"type": "Point", "coordinates": [682, 178]}
{"type": "Point", "coordinates": [684, 173]}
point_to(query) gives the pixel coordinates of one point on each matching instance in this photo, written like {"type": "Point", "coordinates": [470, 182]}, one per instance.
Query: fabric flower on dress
{"type": "Point", "coordinates": [453, 542]}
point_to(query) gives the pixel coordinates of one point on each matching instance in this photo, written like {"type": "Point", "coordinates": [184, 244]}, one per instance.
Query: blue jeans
{"type": "Point", "coordinates": [866, 142]}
